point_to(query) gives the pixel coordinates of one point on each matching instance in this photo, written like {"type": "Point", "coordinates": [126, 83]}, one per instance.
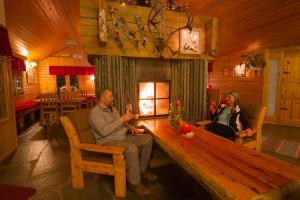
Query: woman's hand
{"type": "Point", "coordinates": [212, 108]}
{"type": "Point", "coordinates": [248, 132]}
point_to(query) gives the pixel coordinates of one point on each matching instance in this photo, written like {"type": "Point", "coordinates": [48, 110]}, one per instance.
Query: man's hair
{"type": "Point", "coordinates": [102, 92]}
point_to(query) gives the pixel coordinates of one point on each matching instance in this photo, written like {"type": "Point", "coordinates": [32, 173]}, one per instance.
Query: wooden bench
{"type": "Point", "coordinates": [23, 109]}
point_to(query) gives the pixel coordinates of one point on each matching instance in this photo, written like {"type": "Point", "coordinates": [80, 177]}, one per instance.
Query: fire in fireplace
{"type": "Point", "coordinates": [154, 98]}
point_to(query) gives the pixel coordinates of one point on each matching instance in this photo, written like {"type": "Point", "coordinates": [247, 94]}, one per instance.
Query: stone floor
{"type": "Point", "coordinates": [42, 161]}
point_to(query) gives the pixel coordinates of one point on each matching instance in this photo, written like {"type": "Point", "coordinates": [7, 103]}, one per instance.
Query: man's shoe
{"type": "Point", "coordinates": [149, 176]}
{"type": "Point", "coordinates": [140, 189]}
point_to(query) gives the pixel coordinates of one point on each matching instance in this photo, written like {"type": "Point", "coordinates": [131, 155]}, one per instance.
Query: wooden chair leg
{"type": "Point", "coordinates": [119, 175]}
{"type": "Point", "coordinates": [77, 174]}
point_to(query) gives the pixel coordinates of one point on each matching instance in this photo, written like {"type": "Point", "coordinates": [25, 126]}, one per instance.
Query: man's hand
{"type": "Point", "coordinates": [126, 117]}
{"type": "Point", "coordinates": [136, 131]}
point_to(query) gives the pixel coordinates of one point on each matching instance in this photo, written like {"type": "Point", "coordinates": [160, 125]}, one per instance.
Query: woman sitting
{"type": "Point", "coordinates": [229, 120]}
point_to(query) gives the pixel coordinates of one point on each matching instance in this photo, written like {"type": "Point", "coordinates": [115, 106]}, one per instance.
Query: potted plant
{"type": "Point", "coordinates": [253, 61]}
{"type": "Point", "coordinates": [175, 113]}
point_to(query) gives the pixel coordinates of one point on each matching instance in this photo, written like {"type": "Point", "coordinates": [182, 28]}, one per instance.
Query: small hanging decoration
{"type": "Point", "coordinates": [120, 25]}
{"type": "Point", "coordinates": [102, 26]}
{"type": "Point", "coordinates": [141, 28]}
{"type": "Point", "coordinates": [115, 35]}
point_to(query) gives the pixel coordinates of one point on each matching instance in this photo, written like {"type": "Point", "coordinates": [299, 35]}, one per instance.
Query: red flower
{"type": "Point", "coordinates": [186, 129]}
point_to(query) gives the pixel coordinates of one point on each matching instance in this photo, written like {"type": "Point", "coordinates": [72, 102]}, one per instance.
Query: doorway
{"type": "Point", "coordinates": [282, 82]}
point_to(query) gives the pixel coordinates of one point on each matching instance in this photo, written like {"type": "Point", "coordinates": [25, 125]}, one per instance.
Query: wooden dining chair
{"type": "Point", "coordinates": [49, 113]}
{"type": "Point", "coordinates": [68, 104]}
{"type": "Point", "coordinates": [89, 157]}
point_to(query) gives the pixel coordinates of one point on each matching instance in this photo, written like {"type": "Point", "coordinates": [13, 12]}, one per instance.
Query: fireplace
{"type": "Point", "coordinates": [154, 98]}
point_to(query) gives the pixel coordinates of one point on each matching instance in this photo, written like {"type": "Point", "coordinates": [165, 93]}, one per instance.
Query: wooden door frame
{"type": "Point", "coordinates": [270, 54]}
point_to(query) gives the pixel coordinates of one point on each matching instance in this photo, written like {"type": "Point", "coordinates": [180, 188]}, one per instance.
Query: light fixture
{"type": "Point", "coordinates": [92, 77]}
{"type": "Point", "coordinates": [30, 65]}
{"type": "Point", "coordinates": [240, 70]}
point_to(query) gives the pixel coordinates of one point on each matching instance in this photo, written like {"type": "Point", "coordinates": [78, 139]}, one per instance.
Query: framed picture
{"type": "Point", "coordinates": [35, 78]}
{"type": "Point", "coordinates": [30, 77]}
{"type": "Point", "coordinates": [190, 41]}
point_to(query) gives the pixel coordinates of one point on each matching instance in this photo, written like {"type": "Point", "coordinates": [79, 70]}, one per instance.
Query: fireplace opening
{"type": "Point", "coordinates": [154, 98]}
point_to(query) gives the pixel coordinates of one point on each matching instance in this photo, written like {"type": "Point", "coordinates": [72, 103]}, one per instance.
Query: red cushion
{"type": "Point", "coordinates": [90, 97]}
{"type": "Point", "coordinates": [25, 105]}
{"type": "Point", "coordinates": [223, 101]}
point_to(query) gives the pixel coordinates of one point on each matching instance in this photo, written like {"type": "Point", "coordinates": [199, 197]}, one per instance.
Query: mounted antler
{"type": "Point", "coordinates": [156, 26]}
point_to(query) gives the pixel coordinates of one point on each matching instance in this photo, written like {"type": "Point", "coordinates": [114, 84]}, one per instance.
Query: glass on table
{"type": "Point", "coordinates": [128, 108]}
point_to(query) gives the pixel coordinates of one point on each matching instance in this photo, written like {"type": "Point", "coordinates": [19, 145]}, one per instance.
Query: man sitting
{"type": "Point", "coordinates": [109, 128]}
{"type": "Point", "coordinates": [229, 119]}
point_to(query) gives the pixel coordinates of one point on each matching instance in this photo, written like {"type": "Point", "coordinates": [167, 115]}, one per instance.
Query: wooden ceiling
{"type": "Point", "coordinates": [254, 25]}
{"type": "Point", "coordinates": [38, 28]}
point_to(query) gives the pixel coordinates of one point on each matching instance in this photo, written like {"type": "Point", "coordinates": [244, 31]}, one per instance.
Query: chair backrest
{"type": "Point", "coordinates": [257, 127]}
{"type": "Point", "coordinates": [49, 104]}
{"type": "Point", "coordinates": [80, 122]}
{"type": "Point", "coordinates": [213, 96]}
{"type": "Point", "coordinates": [68, 104]}
{"type": "Point", "coordinates": [70, 130]}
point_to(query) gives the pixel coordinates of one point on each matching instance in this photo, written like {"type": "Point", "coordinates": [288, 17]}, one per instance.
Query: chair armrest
{"type": "Point", "coordinates": [242, 134]}
{"type": "Point", "coordinates": [100, 148]}
{"type": "Point", "coordinates": [203, 122]}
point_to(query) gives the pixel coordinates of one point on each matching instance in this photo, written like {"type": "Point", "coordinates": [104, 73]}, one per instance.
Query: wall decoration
{"type": "Point", "coordinates": [102, 26]}
{"type": "Point", "coordinates": [35, 78]}
{"type": "Point", "coordinates": [141, 28]}
{"type": "Point", "coordinates": [120, 25]}
{"type": "Point", "coordinates": [30, 77]}
{"type": "Point", "coordinates": [156, 27]}
{"type": "Point", "coordinates": [240, 70]}
{"type": "Point", "coordinates": [190, 41]}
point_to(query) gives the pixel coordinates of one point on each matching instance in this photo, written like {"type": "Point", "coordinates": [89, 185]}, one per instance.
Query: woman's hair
{"type": "Point", "coordinates": [236, 97]}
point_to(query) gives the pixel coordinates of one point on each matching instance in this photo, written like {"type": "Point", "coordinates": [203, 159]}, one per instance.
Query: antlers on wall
{"type": "Point", "coordinates": [156, 26]}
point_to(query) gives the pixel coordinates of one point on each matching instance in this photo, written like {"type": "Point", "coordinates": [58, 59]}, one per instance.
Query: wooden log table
{"type": "Point", "coordinates": [227, 169]}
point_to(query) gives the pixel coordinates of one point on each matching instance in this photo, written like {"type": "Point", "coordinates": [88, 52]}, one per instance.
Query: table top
{"type": "Point", "coordinates": [225, 168]}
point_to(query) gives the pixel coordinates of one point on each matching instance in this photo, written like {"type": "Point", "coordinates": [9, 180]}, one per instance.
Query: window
{"type": "Point", "coordinates": [61, 83]}
{"type": "Point", "coordinates": [74, 85]}
{"type": "Point", "coordinates": [19, 84]}
{"type": "Point", "coordinates": [154, 98]}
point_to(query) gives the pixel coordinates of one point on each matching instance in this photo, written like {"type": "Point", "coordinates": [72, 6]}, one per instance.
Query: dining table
{"type": "Point", "coordinates": [223, 167]}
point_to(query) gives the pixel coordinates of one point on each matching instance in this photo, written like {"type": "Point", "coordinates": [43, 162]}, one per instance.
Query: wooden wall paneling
{"type": "Point", "coordinates": [2, 13]}
{"type": "Point", "coordinates": [246, 26]}
{"type": "Point", "coordinates": [87, 83]}
{"type": "Point", "coordinates": [31, 90]}
{"type": "Point", "coordinates": [211, 34]}
{"type": "Point", "coordinates": [89, 30]}
{"type": "Point", "coordinates": [63, 58]}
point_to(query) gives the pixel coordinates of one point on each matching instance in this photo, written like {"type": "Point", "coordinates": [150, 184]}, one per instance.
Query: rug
{"type": "Point", "coordinates": [283, 147]}
{"type": "Point", "coordinates": [12, 192]}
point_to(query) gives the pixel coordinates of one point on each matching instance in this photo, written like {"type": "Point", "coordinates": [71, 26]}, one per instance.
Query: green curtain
{"type": "Point", "coordinates": [189, 80]}
{"type": "Point", "coordinates": [119, 75]}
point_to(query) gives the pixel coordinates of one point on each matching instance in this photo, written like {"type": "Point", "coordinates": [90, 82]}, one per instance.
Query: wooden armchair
{"type": "Point", "coordinates": [253, 142]}
{"type": "Point", "coordinates": [89, 157]}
